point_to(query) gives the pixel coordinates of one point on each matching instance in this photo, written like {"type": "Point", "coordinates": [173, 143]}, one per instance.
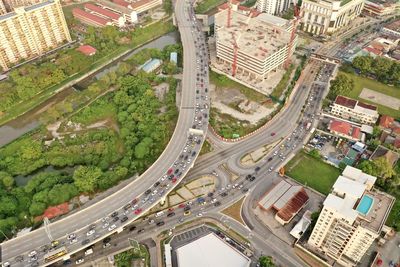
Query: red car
{"type": "Point", "coordinates": [169, 171]}
{"type": "Point", "coordinates": [171, 209]}
{"type": "Point", "coordinates": [134, 201]}
{"type": "Point", "coordinates": [272, 134]}
{"type": "Point", "coordinates": [182, 205]}
{"type": "Point", "coordinates": [138, 211]}
{"type": "Point", "coordinates": [174, 180]}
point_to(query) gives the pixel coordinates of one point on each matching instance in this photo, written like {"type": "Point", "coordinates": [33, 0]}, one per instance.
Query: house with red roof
{"type": "Point", "coordinates": [354, 110]}
{"type": "Point", "coordinates": [117, 19]}
{"type": "Point", "coordinates": [87, 50]}
{"type": "Point", "coordinates": [345, 129]}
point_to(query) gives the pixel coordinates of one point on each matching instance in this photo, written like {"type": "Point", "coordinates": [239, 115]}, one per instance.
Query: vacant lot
{"type": "Point", "coordinates": [361, 82]}
{"type": "Point", "coordinates": [312, 172]}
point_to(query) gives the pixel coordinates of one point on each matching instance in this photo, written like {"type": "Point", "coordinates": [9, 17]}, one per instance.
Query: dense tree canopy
{"type": "Point", "coordinates": [341, 85]}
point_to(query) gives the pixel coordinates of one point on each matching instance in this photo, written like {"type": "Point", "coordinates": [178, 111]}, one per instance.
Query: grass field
{"type": "Point", "coordinates": [312, 172]}
{"type": "Point", "coordinates": [362, 82]}
{"type": "Point", "coordinates": [207, 5]}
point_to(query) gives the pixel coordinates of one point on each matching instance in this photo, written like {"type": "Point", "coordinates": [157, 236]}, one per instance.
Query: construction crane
{"type": "Point", "coordinates": [228, 22]}
{"type": "Point", "coordinates": [296, 19]}
{"type": "Point", "coordinates": [235, 52]}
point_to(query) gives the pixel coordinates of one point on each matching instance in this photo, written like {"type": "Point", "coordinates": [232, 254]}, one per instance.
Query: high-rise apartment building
{"type": "Point", "coordinates": [351, 219]}
{"type": "Point", "coordinates": [9, 5]}
{"type": "Point", "coordinates": [272, 7]}
{"type": "Point", "coordinates": [31, 31]}
{"type": "Point", "coordinates": [327, 16]}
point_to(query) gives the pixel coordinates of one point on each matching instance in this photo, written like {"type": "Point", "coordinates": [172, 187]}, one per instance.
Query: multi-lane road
{"type": "Point", "coordinates": [173, 164]}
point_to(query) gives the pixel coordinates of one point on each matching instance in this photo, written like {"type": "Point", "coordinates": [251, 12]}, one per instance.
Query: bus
{"type": "Point", "coordinates": [55, 254]}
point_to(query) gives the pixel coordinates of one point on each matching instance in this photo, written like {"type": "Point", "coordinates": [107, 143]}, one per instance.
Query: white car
{"type": "Point", "coordinates": [79, 261]}
{"type": "Point", "coordinates": [71, 236]}
{"type": "Point", "coordinates": [74, 240]}
{"type": "Point", "coordinates": [154, 193]}
{"type": "Point", "coordinates": [88, 251]}
{"type": "Point", "coordinates": [105, 225]}
{"type": "Point", "coordinates": [112, 227]}
{"type": "Point", "coordinates": [199, 214]}
{"type": "Point", "coordinates": [32, 253]}
{"type": "Point", "coordinates": [91, 232]}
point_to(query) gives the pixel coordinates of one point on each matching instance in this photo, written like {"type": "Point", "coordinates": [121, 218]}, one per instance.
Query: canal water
{"type": "Point", "coordinates": [30, 120]}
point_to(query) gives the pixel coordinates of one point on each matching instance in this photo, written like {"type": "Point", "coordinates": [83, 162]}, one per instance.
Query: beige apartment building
{"type": "Point", "coordinates": [31, 31]}
{"type": "Point", "coordinates": [351, 219]}
{"type": "Point", "coordinates": [262, 43]}
{"type": "Point", "coordinates": [354, 110]}
{"type": "Point", "coordinates": [322, 17]}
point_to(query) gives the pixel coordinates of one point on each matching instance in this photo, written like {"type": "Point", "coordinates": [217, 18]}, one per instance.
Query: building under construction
{"type": "Point", "coordinates": [251, 46]}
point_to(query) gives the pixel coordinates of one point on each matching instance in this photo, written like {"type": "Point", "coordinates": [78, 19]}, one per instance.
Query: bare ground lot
{"type": "Point", "coordinates": [380, 98]}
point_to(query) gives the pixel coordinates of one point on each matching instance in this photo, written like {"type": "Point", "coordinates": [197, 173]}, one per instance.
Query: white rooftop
{"type": "Point", "coordinates": [210, 251]}
{"type": "Point", "coordinates": [348, 187]}
{"type": "Point", "coordinates": [343, 206]}
{"type": "Point", "coordinates": [302, 225]}
{"type": "Point", "coordinates": [357, 175]}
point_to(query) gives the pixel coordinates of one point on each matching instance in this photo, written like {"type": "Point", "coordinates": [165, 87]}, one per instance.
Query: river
{"type": "Point", "coordinates": [31, 120]}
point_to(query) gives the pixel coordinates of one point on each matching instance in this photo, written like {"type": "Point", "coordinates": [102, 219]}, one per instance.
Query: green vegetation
{"type": "Point", "coordinates": [341, 85]}
{"type": "Point", "coordinates": [312, 172]}
{"type": "Point", "coordinates": [385, 70]}
{"type": "Point", "coordinates": [206, 148]}
{"type": "Point", "coordinates": [389, 181]}
{"type": "Point", "coordinates": [363, 82]}
{"type": "Point", "coordinates": [33, 83]}
{"type": "Point", "coordinates": [89, 160]}
{"type": "Point", "coordinates": [289, 14]}
{"type": "Point", "coordinates": [125, 258]}
{"type": "Point", "coordinates": [206, 5]}
{"type": "Point", "coordinates": [221, 81]}
{"type": "Point", "coordinates": [249, 3]}
{"type": "Point", "coordinates": [266, 261]}
{"type": "Point", "coordinates": [283, 83]}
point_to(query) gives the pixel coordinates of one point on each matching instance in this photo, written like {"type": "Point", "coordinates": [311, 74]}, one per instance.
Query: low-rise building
{"type": "Point", "coordinates": [392, 28]}
{"type": "Point", "coordinates": [90, 19]}
{"type": "Point", "coordinates": [383, 152]}
{"type": "Point", "coordinates": [351, 109]}
{"type": "Point", "coordinates": [116, 18]}
{"type": "Point", "coordinates": [87, 50]}
{"type": "Point", "coordinates": [327, 16]}
{"type": "Point", "coordinates": [285, 199]}
{"type": "Point", "coordinates": [345, 130]}
{"type": "Point", "coordinates": [379, 8]}
{"type": "Point", "coordinates": [139, 6]}
{"type": "Point", "coordinates": [351, 219]}
{"type": "Point", "coordinates": [129, 15]}
{"type": "Point", "coordinates": [151, 65]}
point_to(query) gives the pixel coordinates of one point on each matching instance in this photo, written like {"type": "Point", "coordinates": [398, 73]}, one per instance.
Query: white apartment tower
{"type": "Point", "coordinates": [273, 7]}
{"type": "Point", "coordinates": [10, 5]}
{"type": "Point", "coordinates": [31, 31]}
{"type": "Point", "coordinates": [327, 16]}
{"type": "Point", "coordinates": [351, 219]}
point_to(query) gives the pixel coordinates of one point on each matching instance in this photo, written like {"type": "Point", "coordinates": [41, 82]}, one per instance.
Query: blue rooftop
{"type": "Point", "coordinates": [151, 65]}
{"type": "Point", "coordinates": [173, 57]}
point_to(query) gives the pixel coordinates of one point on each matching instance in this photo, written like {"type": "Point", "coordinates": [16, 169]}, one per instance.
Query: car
{"type": "Point", "coordinates": [32, 253]}
{"type": "Point", "coordinates": [174, 180]}
{"type": "Point", "coordinates": [19, 258]}
{"type": "Point", "coordinates": [154, 193]}
{"type": "Point", "coordinates": [186, 213]}
{"type": "Point", "coordinates": [181, 220]}
{"type": "Point", "coordinates": [148, 191]}
{"type": "Point", "coordinates": [182, 205]}
{"type": "Point", "coordinates": [257, 168]}
{"type": "Point", "coordinates": [124, 219]}
{"type": "Point", "coordinates": [199, 214]}
{"type": "Point", "coordinates": [6, 264]}
{"type": "Point", "coordinates": [127, 206]}
{"type": "Point", "coordinates": [252, 178]}
{"type": "Point", "coordinates": [85, 242]}
{"type": "Point", "coordinates": [151, 221]}
{"type": "Point", "coordinates": [224, 194]}
{"type": "Point", "coordinates": [112, 227]}
{"type": "Point", "coordinates": [115, 213]}
{"type": "Point", "coordinates": [138, 211]}
{"type": "Point", "coordinates": [79, 261]}
{"type": "Point", "coordinates": [91, 232]}
{"type": "Point", "coordinates": [88, 251]}
{"type": "Point", "coordinates": [160, 223]}
{"type": "Point", "coordinates": [171, 214]}
{"type": "Point", "coordinates": [170, 171]}
{"type": "Point", "coordinates": [186, 208]}
{"type": "Point", "coordinates": [140, 231]}
{"type": "Point", "coordinates": [105, 245]}
{"type": "Point", "coordinates": [72, 241]}
{"type": "Point", "coordinates": [67, 262]}
{"type": "Point", "coordinates": [116, 219]}
{"type": "Point", "coordinates": [216, 204]}
{"type": "Point", "coordinates": [105, 225]}
{"type": "Point", "coordinates": [71, 236]}
{"type": "Point", "coordinates": [244, 190]}
{"type": "Point", "coordinates": [248, 176]}
{"type": "Point", "coordinates": [156, 184]}
{"type": "Point", "coordinates": [272, 134]}
{"type": "Point", "coordinates": [270, 169]}
{"type": "Point", "coordinates": [134, 201]}
{"type": "Point", "coordinates": [132, 228]}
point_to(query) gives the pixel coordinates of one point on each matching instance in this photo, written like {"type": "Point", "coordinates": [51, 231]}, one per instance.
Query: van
{"type": "Point", "coordinates": [88, 251]}
{"type": "Point", "coordinates": [158, 214]}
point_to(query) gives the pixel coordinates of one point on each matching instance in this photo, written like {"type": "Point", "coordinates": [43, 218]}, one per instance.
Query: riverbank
{"type": "Point", "coordinates": [30, 120]}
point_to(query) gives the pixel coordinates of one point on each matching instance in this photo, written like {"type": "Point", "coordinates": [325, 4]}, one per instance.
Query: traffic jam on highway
{"type": "Point", "coordinates": [230, 192]}
{"type": "Point", "coordinates": [115, 221]}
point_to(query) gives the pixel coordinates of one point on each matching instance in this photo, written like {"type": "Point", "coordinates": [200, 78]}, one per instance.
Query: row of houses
{"type": "Point", "coordinates": [116, 13]}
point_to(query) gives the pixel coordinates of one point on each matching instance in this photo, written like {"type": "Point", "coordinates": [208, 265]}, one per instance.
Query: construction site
{"type": "Point", "coordinates": [253, 48]}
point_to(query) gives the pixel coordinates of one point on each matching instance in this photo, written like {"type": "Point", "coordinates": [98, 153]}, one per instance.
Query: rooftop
{"type": "Point", "coordinates": [88, 50]}
{"type": "Point", "coordinates": [353, 104]}
{"type": "Point", "coordinates": [210, 250]}
{"type": "Point", "coordinates": [386, 121]}
{"type": "Point", "coordinates": [394, 26]}
{"type": "Point", "coordinates": [255, 37]}
{"type": "Point", "coordinates": [97, 19]}
{"type": "Point", "coordinates": [102, 11]}
{"type": "Point", "coordinates": [381, 151]}
{"type": "Point", "coordinates": [39, 5]}
{"type": "Point", "coordinates": [344, 128]}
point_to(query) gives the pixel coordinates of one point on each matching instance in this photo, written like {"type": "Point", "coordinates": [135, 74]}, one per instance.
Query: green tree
{"type": "Point", "coordinates": [384, 168]}
{"type": "Point", "coordinates": [266, 261]}
{"type": "Point", "coordinates": [6, 179]}
{"type": "Point", "coordinates": [342, 85]}
{"type": "Point", "coordinates": [85, 178]}
{"type": "Point", "coordinates": [37, 208]}
{"type": "Point", "coordinates": [363, 63]}
{"type": "Point", "coordinates": [368, 167]}
{"type": "Point", "coordinates": [314, 153]}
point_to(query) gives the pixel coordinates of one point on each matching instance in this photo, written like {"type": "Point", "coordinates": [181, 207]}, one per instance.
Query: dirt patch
{"type": "Point", "coordinates": [234, 211]}
{"type": "Point", "coordinates": [379, 98]}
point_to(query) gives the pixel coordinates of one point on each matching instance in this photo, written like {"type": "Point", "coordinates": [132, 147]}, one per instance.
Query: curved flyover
{"type": "Point", "coordinates": [168, 170]}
